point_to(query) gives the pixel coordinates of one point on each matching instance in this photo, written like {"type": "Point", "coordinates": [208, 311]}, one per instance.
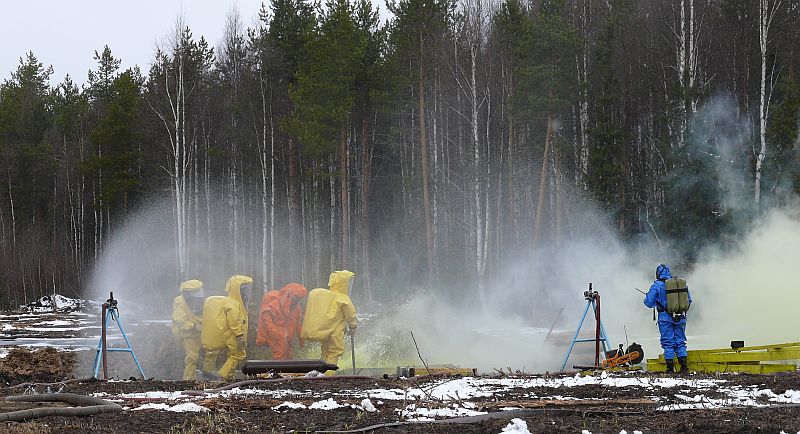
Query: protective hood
{"type": "Point", "coordinates": [662, 272]}
{"type": "Point", "coordinates": [294, 290]}
{"type": "Point", "coordinates": [340, 281]}
{"type": "Point", "coordinates": [233, 287]}
{"type": "Point", "coordinates": [191, 285]}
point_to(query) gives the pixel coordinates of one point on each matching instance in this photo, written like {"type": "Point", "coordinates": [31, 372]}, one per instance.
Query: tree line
{"type": "Point", "coordinates": [433, 148]}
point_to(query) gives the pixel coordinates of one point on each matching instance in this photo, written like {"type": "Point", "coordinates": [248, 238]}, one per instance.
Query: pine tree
{"type": "Point", "coordinates": [415, 39]}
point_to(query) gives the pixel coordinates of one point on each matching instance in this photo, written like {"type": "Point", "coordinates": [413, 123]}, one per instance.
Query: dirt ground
{"type": "Point", "coordinates": [602, 409]}
{"type": "Point", "coordinates": [45, 365]}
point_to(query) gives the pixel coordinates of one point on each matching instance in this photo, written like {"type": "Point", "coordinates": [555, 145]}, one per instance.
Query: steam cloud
{"type": "Point", "coordinates": [745, 289]}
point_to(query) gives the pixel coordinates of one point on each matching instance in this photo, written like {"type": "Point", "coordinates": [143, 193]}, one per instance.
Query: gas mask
{"type": "Point", "coordinates": [658, 271]}
{"type": "Point", "coordinates": [195, 302]}
{"type": "Point", "coordinates": [244, 291]}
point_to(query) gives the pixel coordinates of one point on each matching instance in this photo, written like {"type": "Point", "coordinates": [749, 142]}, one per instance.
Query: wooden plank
{"type": "Point", "coordinates": [657, 365]}
{"type": "Point", "coordinates": [616, 369]}
{"type": "Point", "coordinates": [445, 371]}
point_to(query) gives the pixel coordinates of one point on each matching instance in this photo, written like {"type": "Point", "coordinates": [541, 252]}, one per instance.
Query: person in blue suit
{"type": "Point", "coordinates": [671, 326]}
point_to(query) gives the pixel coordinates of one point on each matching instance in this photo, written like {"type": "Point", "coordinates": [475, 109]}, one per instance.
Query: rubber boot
{"type": "Point", "coordinates": [684, 367]}
{"type": "Point", "coordinates": [670, 366]}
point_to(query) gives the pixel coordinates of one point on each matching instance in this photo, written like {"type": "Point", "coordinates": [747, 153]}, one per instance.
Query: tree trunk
{"type": "Point", "coordinates": [366, 165]}
{"type": "Point", "coordinates": [766, 13]}
{"type": "Point", "coordinates": [13, 215]}
{"type": "Point", "coordinates": [332, 228]}
{"type": "Point", "coordinates": [207, 191]}
{"type": "Point", "coordinates": [423, 141]}
{"type": "Point", "coordinates": [272, 200]}
{"type": "Point", "coordinates": [345, 194]}
{"type": "Point", "coordinates": [480, 257]}
{"type": "Point", "coordinates": [537, 223]}
{"type": "Point", "coordinates": [294, 208]}
{"type": "Point", "coordinates": [265, 234]}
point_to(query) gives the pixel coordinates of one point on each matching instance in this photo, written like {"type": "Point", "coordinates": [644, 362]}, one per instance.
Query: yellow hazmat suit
{"type": "Point", "coordinates": [225, 326]}
{"type": "Point", "coordinates": [186, 325]}
{"type": "Point", "coordinates": [327, 313]}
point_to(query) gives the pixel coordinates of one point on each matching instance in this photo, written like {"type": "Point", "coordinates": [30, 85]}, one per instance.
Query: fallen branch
{"type": "Point", "coordinates": [276, 380]}
{"type": "Point", "coordinates": [555, 321]}
{"type": "Point", "coordinates": [95, 406]}
{"type": "Point", "coordinates": [32, 384]}
{"type": "Point", "coordinates": [419, 354]}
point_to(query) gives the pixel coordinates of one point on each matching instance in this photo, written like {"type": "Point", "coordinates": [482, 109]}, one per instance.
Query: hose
{"type": "Point", "coordinates": [94, 406]}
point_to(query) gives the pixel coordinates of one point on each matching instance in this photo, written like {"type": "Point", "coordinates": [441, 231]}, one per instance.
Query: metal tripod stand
{"type": "Point", "coordinates": [592, 300]}
{"type": "Point", "coordinates": [111, 311]}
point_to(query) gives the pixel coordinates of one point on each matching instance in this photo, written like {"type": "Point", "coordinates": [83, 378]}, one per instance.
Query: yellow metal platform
{"type": "Point", "coordinates": [761, 359]}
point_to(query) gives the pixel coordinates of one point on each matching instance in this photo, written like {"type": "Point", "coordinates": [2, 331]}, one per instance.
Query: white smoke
{"type": "Point", "coordinates": [750, 291]}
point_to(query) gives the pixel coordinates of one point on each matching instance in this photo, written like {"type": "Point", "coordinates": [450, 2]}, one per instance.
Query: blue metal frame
{"type": "Point", "coordinates": [114, 314]}
{"type": "Point", "coordinates": [603, 335]}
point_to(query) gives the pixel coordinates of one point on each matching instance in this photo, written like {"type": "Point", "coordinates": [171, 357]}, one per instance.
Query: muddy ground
{"type": "Point", "coordinates": [596, 408]}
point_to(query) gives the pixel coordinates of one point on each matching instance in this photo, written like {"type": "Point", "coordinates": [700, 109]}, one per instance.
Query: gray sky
{"type": "Point", "coordinates": [66, 33]}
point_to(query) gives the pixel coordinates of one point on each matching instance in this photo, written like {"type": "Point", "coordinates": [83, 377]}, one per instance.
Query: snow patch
{"type": "Point", "coordinates": [49, 303]}
{"type": "Point", "coordinates": [736, 397]}
{"type": "Point", "coordinates": [289, 406]}
{"type": "Point", "coordinates": [57, 322]}
{"type": "Point", "coordinates": [180, 408]}
{"type": "Point", "coordinates": [152, 406]}
{"type": "Point", "coordinates": [517, 426]}
{"type": "Point", "coordinates": [326, 404]}
{"type": "Point", "coordinates": [366, 404]}
{"type": "Point", "coordinates": [788, 397]}
{"type": "Point", "coordinates": [426, 414]}
{"type": "Point", "coordinates": [469, 387]}
{"type": "Point", "coordinates": [169, 396]}
{"type": "Point", "coordinates": [277, 394]}
{"type": "Point", "coordinates": [58, 329]}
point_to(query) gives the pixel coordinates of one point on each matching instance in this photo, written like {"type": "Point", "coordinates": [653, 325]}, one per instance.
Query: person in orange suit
{"type": "Point", "coordinates": [280, 320]}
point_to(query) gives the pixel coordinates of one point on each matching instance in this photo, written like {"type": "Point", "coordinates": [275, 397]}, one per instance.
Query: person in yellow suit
{"type": "Point", "coordinates": [225, 326]}
{"type": "Point", "coordinates": [187, 324]}
{"type": "Point", "coordinates": [328, 311]}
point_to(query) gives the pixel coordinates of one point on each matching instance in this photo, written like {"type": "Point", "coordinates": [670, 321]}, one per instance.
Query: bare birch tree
{"type": "Point", "coordinates": [767, 9]}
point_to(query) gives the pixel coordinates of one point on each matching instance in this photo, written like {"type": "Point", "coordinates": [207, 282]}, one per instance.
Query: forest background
{"type": "Point", "coordinates": [427, 150]}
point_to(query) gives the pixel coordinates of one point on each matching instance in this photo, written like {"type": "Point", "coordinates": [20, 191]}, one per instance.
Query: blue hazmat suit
{"type": "Point", "coordinates": [671, 327]}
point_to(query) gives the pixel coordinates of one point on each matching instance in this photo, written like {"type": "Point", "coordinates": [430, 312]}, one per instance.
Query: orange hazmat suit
{"type": "Point", "coordinates": [280, 320]}
{"type": "Point", "coordinates": [225, 326]}
{"type": "Point", "coordinates": [328, 311]}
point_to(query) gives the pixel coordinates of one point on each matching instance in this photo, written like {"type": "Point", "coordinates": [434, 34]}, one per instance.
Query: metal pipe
{"type": "Point", "coordinates": [353, 348]}
{"type": "Point", "coordinates": [597, 330]}
{"type": "Point", "coordinates": [252, 367]}
{"type": "Point", "coordinates": [104, 322]}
